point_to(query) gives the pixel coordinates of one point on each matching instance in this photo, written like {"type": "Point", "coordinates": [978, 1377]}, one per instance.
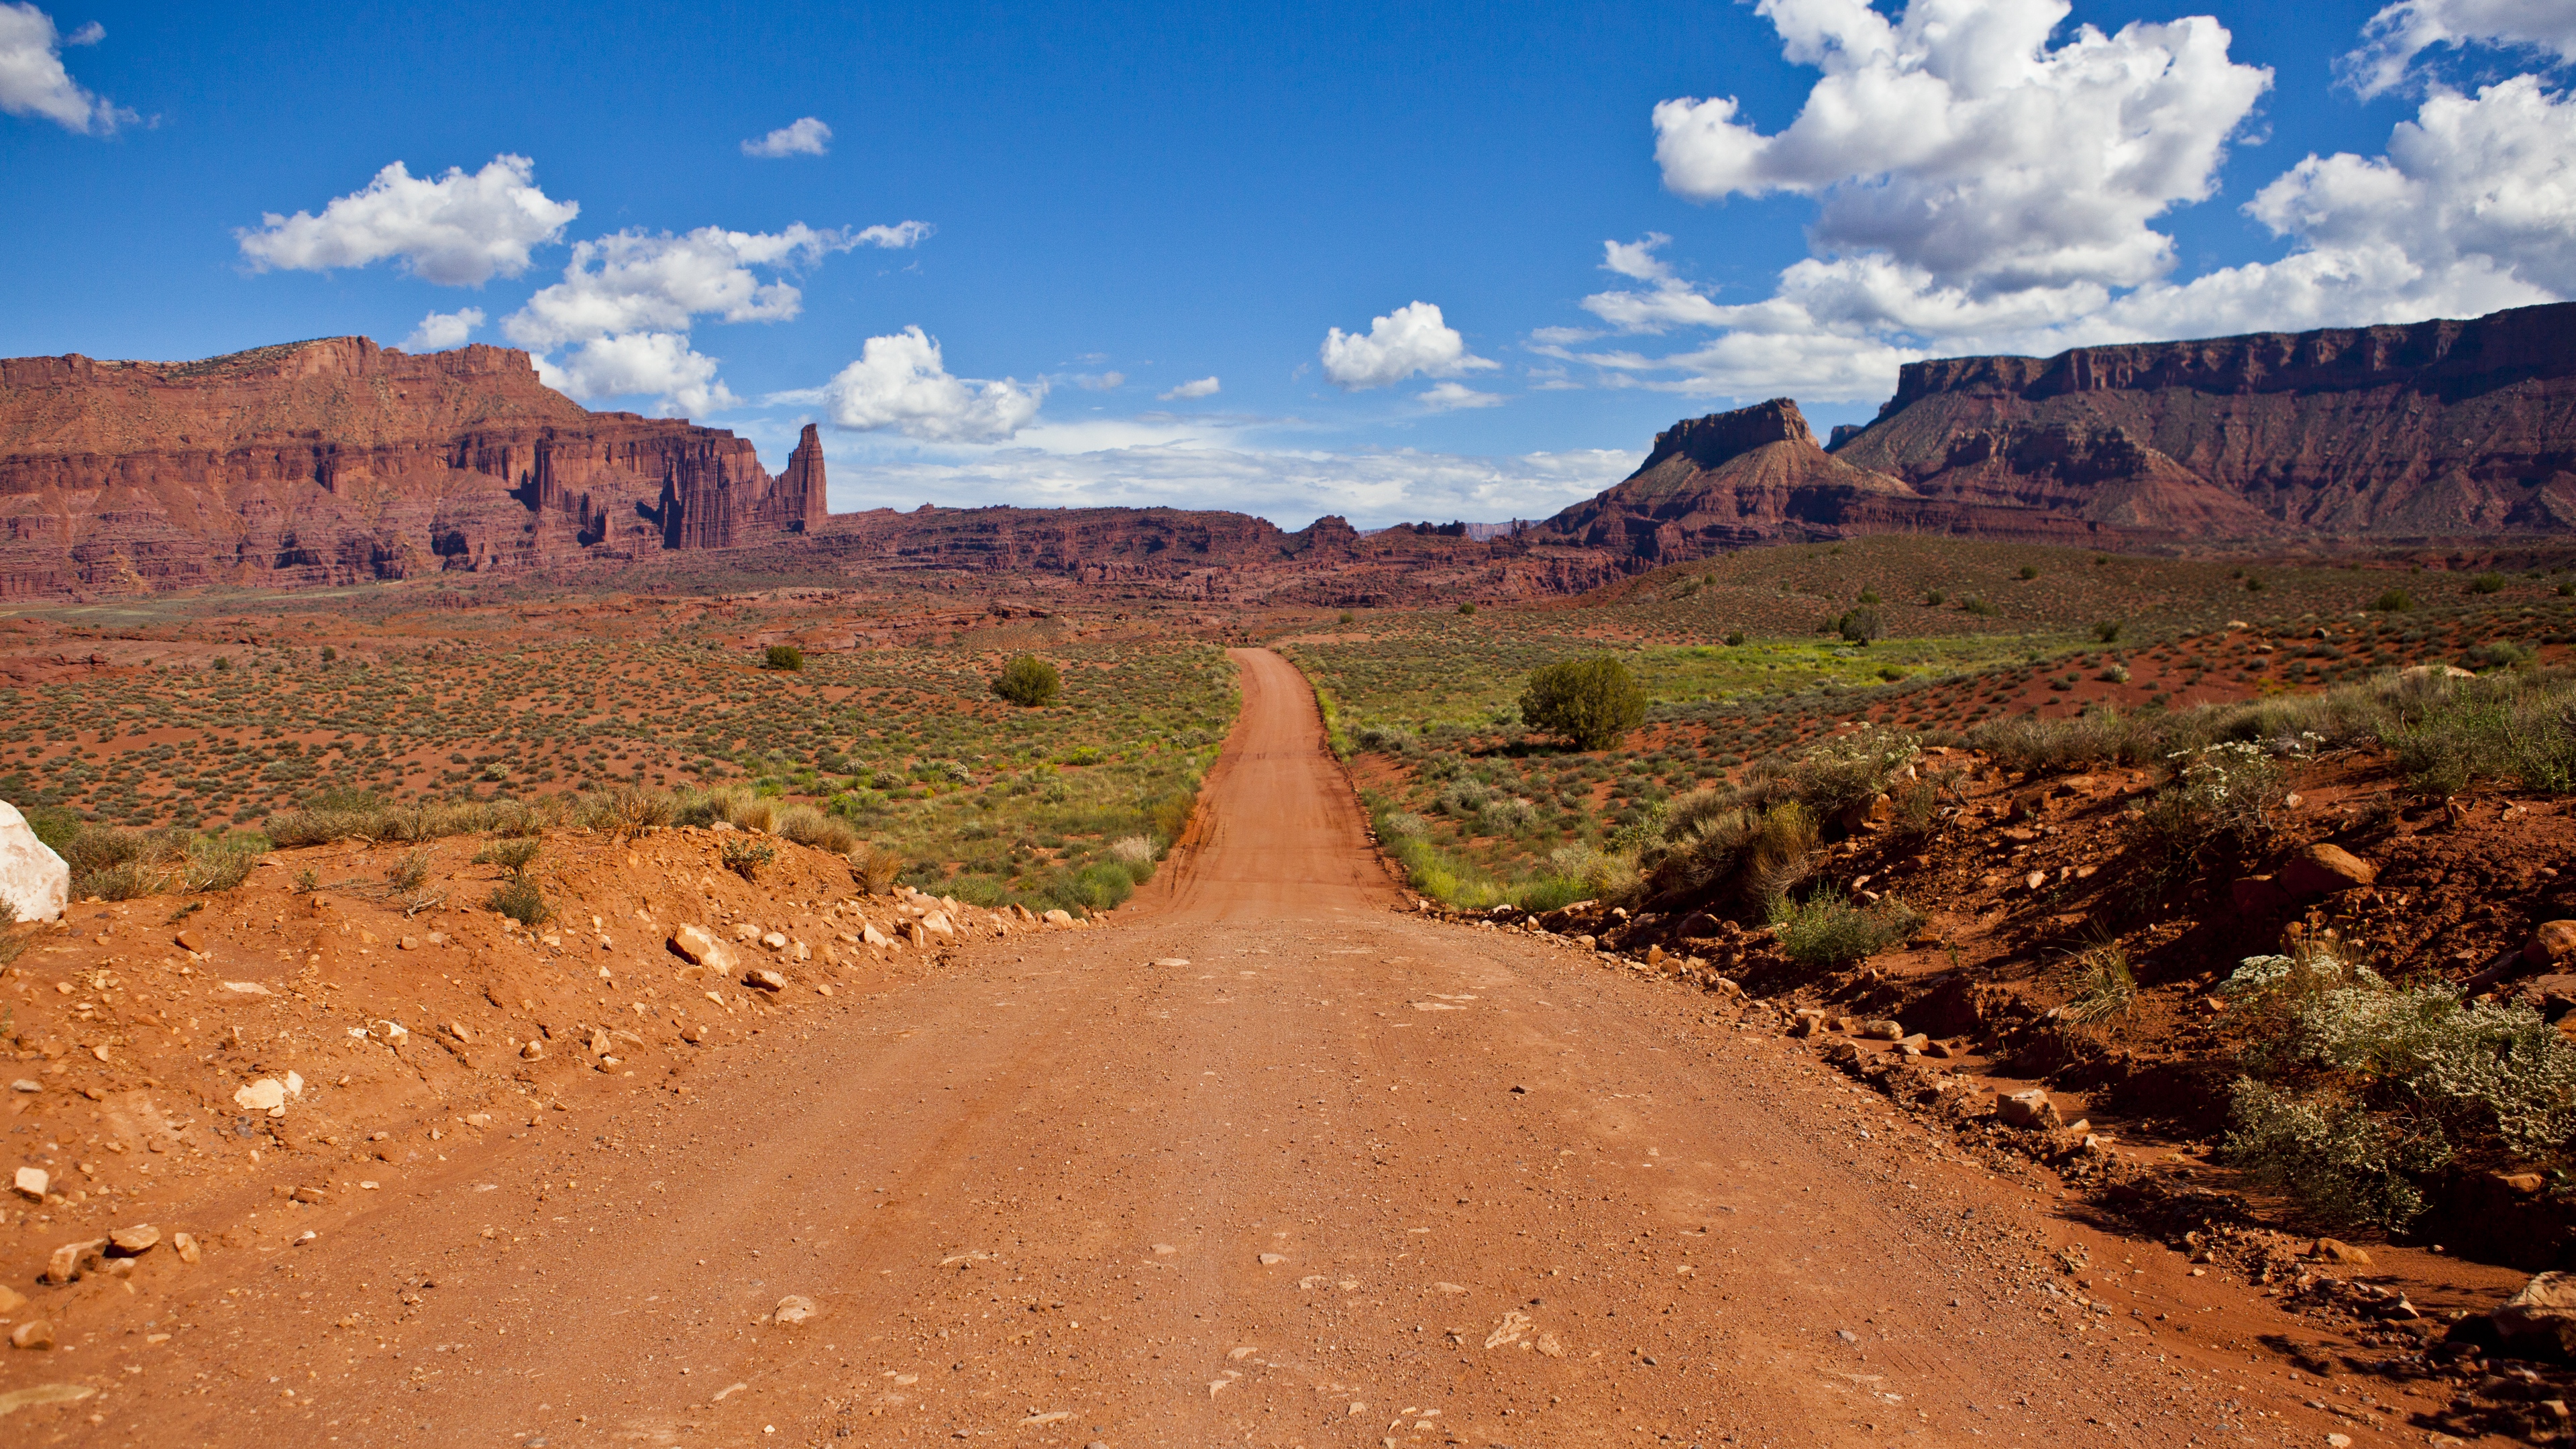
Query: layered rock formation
{"type": "Point", "coordinates": [2375, 435]}
{"type": "Point", "coordinates": [2436, 430]}
{"type": "Point", "coordinates": [1754, 475]}
{"type": "Point", "coordinates": [337, 461]}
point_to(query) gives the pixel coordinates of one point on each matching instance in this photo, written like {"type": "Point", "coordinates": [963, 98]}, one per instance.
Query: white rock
{"type": "Point", "coordinates": [32, 1182]}
{"type": "Point", "coordinates": [701, 947]}
{"type": "Point", "coordinates": [794, 1309]}
{"type": "Point", "coordinates": [265, 1095]}
{"type": "Point", "coordinates": [938, 921]}
{"type": "Point", "coordinates": [32, 877]}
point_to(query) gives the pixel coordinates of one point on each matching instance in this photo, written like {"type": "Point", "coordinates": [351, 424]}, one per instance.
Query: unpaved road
{"type": "Point", "coordinates": [1269, 1162]}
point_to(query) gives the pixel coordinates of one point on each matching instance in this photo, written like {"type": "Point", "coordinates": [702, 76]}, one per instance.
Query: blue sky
{"type": "Point", "coordinates": [988, 246]}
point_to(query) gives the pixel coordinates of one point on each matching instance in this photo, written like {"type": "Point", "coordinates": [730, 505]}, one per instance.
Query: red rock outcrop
{"type": "Point", "coordinates": [2434, 430]}
{"type": "Point", "coordinates": [336, 461]}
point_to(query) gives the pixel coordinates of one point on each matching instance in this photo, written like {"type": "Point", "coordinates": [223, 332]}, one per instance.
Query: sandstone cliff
{"type": "Point", "coordinates": [2436, 430]}
{"type": "Point", "coordinates": [336, 461]}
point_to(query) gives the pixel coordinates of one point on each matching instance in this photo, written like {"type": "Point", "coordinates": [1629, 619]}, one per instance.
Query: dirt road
{"type": "Point", "coordinates": [1269, 1162]}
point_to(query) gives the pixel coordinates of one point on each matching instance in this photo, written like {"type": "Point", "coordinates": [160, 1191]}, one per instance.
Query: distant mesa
{"type": "Point", "coordinates": [2371, 435]}
{"type": "Point", "coordinates": [335, 462]}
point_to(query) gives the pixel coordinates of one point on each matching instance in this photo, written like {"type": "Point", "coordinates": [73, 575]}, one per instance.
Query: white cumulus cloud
{"type": "Point", "coordinates": [34, 82]}
{"type": "Point", "coordinates": [1450, 397]}
{"type": "Point", "coordinates": [458, 229]}
{"type": "Point", "coordinates": [1202, 387]}
{"type": "Point", "coordinates": [901, 382]}
{"type": "Point", "coordinates": [1412, 339]}
{"type": "Point", "coordinates": [442, 330]}
{"type": "Point", "coordinates": [1980, 191]}
{"type": "Point", "coordinates": [805, 136]}
{"type": "Point", "coordinates": [2399, 34]}
{"type": "Point", "coordinates": [659, 364]}
{"type": "Point", "coordinates": [628, 300]}
{"type": "Point", "coordinates": [1955, 138]}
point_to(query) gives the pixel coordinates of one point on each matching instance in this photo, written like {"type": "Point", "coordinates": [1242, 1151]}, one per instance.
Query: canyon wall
{"type": "Point", "coordinates": [336, 461]}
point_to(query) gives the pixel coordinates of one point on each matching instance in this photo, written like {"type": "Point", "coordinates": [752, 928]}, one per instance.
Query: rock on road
{"type": "Point", "coordinates": [1268, 1162]}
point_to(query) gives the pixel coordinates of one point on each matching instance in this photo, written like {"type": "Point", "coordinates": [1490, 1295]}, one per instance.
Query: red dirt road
{"type": "Point", "coordinates": [1266, 1163]}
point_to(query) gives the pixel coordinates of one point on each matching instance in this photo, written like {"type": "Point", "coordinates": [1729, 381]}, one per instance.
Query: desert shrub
{"type": "Point", "coordinates": [2395, 601]}
{"type": "Point", "coordinates": [2105, 987]}
{"type": "Point", "coordinates": [1467, 609]}
{"type": "Point", "coordinates": [1861, 625]}
{"type": "Point", "coordinates": [1590, 702]}
{"type": "Point", "coordinates": [2498, 654]}
{"type": "Point", "coordinates": [1592, 873]}
{"type": "Point", "coordinates": [1462, 797]}
{"type": "Point", "coordinates": [2033, 743]}
{"type": "Point", "coordinates": [2107, 632]}
{"type": "Point", "coordinates": [1028, 681]}
{"type": "Point", "coordinates": [1918, 807]}
{"type": "Point", "coordinates": [409, 872]}
{"type": "Point", "coordinates": [2355, 1087]}
{"type": "Point", "coordinates": [2487, 583]}
{"type": "Point", "coordinates": [783, 656]}
{"type": "Point", "coordinates": [518, 898]}
{"type": "Point", "coordinates": [1934, 597]}
{"type": "Point", "coordinates": [1384, 739]}
{"type": "Point", "coordinates": [806, 825]}
{"type": "Point", "coordinates": [1714, 849]}
{"type": "Point", "coordinates": [1402, 822]}
{"type": "Point", "coordinates": [630, 810]}
{"type": "Point", "coordinates": [219, 865]}
{"type": "Point", "coordinates": [514, 854]}
{"type": "Point", "coordinates": [1849, 770]}
{"type": "Point", "coordinates": [1978, 607]}
{"type": "Point", "coordinates": [2336, 1161]}
{"type": "Point", "coordinates": [1136, 853]}
{"type": "Point", "coordinates": [2447, 733]}
{"type": "Point", "coordinates": [746, 858]}
{"type": "Point", "coordinates": [2030, 571]}
{"type": "Point", "coordinates": [873, 869]}
{"type": "Point", "coordinates": [1826, 930]}
{"type": "Point", "coordinates": [1170, 812]}
{"type": "Point", "coordinates": [2220, 796]}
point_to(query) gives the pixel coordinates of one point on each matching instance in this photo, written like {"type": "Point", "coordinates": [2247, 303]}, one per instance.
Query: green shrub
{"type": "Point", "coordinates": [2487, 583]}
{"type": "Point", "coordinates": [2105, 987]}
{"type": "Point", "coordinates": [2107, 632]}
{"type": "Point", "coordinates": [1591, 702]}
{"type": "Point", "coordinates": [1028, 681]}
{"type": "Point", "coordinates": [1466, 608]}
{"type": "Point", "coordinates": [1849, 770]}
{"type": "Point", "coordinates": [1861, 625]}
{"type": "Point", "coordinates": [518, 898]}
{"type": "Point", "coordinates": [1978, 607]}
{"type": "Point", "coordinates": [746, 858]}
{"type": "Point", "coordinates": [2220, 795]}
{"type": "Point", "coordinates": [1933, 597]}
{"type": "Point", "coordinates": [513, 855]}
{"type": "Point", "coordinates": [219, 865]}
{"type": "Point", "coordinates": [2395, 601]}
{"type": "Point", "coordinates": [1826, 930]}
{"type": "Point", "coordinates": [783, 656]}
{"type": "Point", "coordinates": [2356, 1088]}
{"type": "Point", "coordinates": [2447, 733]}
{"type": "Point", "coordinates": [2030, 571]}
{"type": "Point", "coordinates": [806, 825]}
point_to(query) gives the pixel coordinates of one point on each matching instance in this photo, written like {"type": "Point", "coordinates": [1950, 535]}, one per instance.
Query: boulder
{"type": "Point", "coordinates": [139, 1238]}
{"type": "Point", "coordinates": [2030, 1108]}
{"type": "Point", "coordinates": [1882, 1030]}
{"type": "Point", "coordinates": [1059, 918]}
{"type": "Point", "coordinates": [2540, 1321]}
{"type": "Point", "coordinates": [765, 980]}
{"type": "Point", "coordinates": [33, 879]}
{"type": "Point", "coordinates": [32, 1183]}
{"type": "Point", "coordinates": [2552, 943]}
{"type": "Point", "coordinates": [2321, 870]}
{"type": "Point", "coordinates": [2336, 1250]}
{"type": "Point", "coordinates": [700, 947]}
